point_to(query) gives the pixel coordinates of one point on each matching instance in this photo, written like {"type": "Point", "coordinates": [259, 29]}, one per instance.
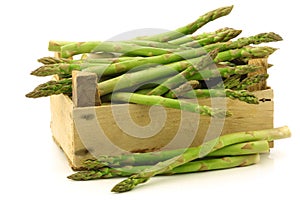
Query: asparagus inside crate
{"type": "Point", "coordinates": [169, 69]}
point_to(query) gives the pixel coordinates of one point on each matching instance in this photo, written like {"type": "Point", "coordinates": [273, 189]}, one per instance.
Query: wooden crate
{"type": "Point", "coordinates": [90, 131]}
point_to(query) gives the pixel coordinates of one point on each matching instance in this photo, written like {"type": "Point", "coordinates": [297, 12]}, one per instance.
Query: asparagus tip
{"type": "Point", "coordinates": [128, 184]}
{"type": "Point", "coordinates": [41, 71]}
{"type": "Point", "coordinates": [276, 36]}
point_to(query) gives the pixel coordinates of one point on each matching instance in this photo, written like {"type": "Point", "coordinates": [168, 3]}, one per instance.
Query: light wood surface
{"type": "Point", "coordinates": [119, 129]}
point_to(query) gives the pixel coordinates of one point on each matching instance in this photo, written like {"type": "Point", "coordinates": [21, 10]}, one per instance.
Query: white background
{"type": "Point", "coordinates": [32, 166]}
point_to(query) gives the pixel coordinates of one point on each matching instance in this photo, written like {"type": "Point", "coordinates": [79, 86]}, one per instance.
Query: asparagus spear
{"type": "Point", "coordinates": [113, 68]}
{"type": "Point", "coordinates": [169, 103]}
{"type": "Point", "coordinates": [53, 60]}
{"type": "Point", "coordinates": [151, 158]}
{"type": "Point", "coordinates": [70, 49]}
{"type": "Point", "coordinates": [241, 42]}
{"type": "Point", "coordinates": [192, 27]}
{"type": "Point", "coordinates": [125, 80]}
{"type": "Point", "coordinates": [168, 58]}
{"type": "Point", "coordinates": [89, 46]}
{"type": "Point", "coordinates": [249, 81]}
{"type": "Point", "coordinates": [236, 82]}
{"type": "Point", "coordinates": [63, 86]}
{"type": "Point", "coordinates": [182, 77]}
{"type": "Point", "coordinates": [200, 152]}
{"type": "Point", "coordinates": [55, 45]}
{"type": "Point", "coordinates": [182, 89]}
{"type": "Point", "coordinates": [65, 69]}
{"type": "Point", "coordinates": [151, 74]}
{"type": "Point", "coordinates": [193, 166]}
{"type": "Point", "coordinates": [224, 72]}
{"type": "Point", "coordinates": [242, 95]}
{"type": "Point", "coordinates": [245, 52]}
{"type": "Point", "coordinates": [220, 35]}
{"type": "Point", "coordinates": [148, 43]}
{"type": "Point", "coordinates": [110, 46]}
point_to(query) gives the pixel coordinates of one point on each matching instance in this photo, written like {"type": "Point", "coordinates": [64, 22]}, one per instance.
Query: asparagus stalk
{"type": "Point", "coordinates": [148, 43]}
{"type": "Point", "coordinates": [72, 48]}
{"type": "Point", "coordinates": [245, 52]}
{"type": "Point", "coordinates": [182, 77]}
{"type": "Point", "coordinates": [169, 103]}
{"type": "Point", "coordinates": [167, 58]}
{"type": "Point", "coordinates": [89, 46]}
{"type": "Point", "coordinates": [249, 81]}
{"type": "Point", "coordinates": [124, 81]}
{"type": "Point", "coordinates": [242, 95]}
{"type": "Point", "coordinates": [104, 66]}
{"type": "Point", "coordinates": [144, 76]}
{"type": "Point", "coordinates": [53, 60]}
{"type": "Point", "coordinates": [231, 82]}
{"type": "Point", "coordinates": [151, 158]}
{"type": "Point", "coordinates": [200, 152]}
{"type": "Point", "coordinates": [182, 89]}
{"type": "Point", "coordinates": [192, 27]}
{"type": "Point", "coordinates": [224, 72]}
{"type": "Point", "coordinates": [114, 68]}
{"type": "Point", "coordinates": [141, 77]}
{"type": "Point", "coordinates": [65, 69]}
{"type": "Point", "coordinates": [241, 42]}
{"type": "Point", "coordinates": [110, 46]}
{"type": "Point", "coordinates": [220, 35]}
{"type": "Point", "coordinates": [236, 82]}
{"type": "Point", "coordinates": [193, 166]}
{"type": "Point", "coordinates": [55, 45]}
{"type": "Point", "coordinates": [63, 86]}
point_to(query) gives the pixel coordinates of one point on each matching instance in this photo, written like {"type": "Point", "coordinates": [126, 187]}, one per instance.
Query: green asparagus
{"type": "Point", "coordinates": [200, 152]}
{"type": "Point", "coordinates": [236, 82]}
{"type": "Point", "coordinates": [63, 86]}
{"type": "Point", "coordinates": [169, 103]}
{"type": "Point", "coordinates": [220, 35]}
{"type": "Point", "coordinates": [245, 52]}
{"type": "Point", "coordinates": [151, 158]}
{"type": "Point", "coordinates": [242, 95]}
{"type": "Point", "coordinates": [181, 89]}
{"type": "Point", "coordinates": [110, 46]}
{"type": "Point", "coordinates": [161, 59]}
{"type": "Point", "coordinates": [193, 166]}
{"type": "Point", "coordinates": [192, 27]}
{"type": "Point", "coordinates": [183, 76]}
{"type": "Point", "coordinates": [241, 42]}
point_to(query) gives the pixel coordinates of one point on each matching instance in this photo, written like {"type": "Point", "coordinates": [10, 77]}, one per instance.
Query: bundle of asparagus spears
{"type": "Point", "coordinates": [167, 69]}
{"type": "Point", "coordinates": [163, 69]}
{"type": "Point", "coordinates": [227, 151]}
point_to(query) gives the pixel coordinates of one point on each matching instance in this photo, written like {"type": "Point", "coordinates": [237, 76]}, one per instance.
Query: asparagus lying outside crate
{"type": "Point", "coordinates": [106, 106]}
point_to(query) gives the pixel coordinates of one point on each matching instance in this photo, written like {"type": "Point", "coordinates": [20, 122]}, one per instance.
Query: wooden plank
{"type": "Point", "coordinates": [62, 125]}
{"type": "Point", "coordinates": [121, 129]}
{"type": "Point", "coordinates": [84, 89]}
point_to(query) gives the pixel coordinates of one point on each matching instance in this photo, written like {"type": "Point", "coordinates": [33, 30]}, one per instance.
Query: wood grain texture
{"type": "Point", "coordinates": [119, 129]}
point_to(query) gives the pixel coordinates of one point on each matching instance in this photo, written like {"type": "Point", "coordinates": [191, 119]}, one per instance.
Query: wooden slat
{"type": "Point", "coordinates": [84, 89]}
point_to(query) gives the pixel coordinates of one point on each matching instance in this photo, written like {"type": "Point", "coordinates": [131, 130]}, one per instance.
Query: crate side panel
{"type": "Point", "coordinates": [121, 129]}
{"type": "Point", "coordinates": [62, 124]}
